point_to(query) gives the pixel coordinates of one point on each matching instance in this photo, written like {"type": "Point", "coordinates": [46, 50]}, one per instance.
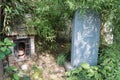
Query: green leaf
{"type": "Point", "coordinates": [16, 76]}
{"type": "Point", "coordinates": [1, 43]}
{"type": "Point", "coordinates": [21, 0]}
{"type": "Point", "coordinates": [118, 78]}
{"type": "Point", "coordinates": [12, 44]}
{"type": "Point", "coordinates": [75, 71]}
{"type": "Point", "coordinates": [3, 49]}
{"type": "Point", "coordinates": [11, 68]}
{"type": "Point", "coordinates": [8, 51]}
{"type": "Point", "coordinates": [98, 76]}
{"type": "Point", "coordinates": [6, 40]}
{"type": "Point", "coordinates": [2, 55]}
{"type": "Point", "coordinates": [90, 73]}
{"type": "Point", "coordinates": [8, 9]}
{"type": "Point", "coordinates": [27, 78]}
{"type": "Point", "coordinates": [85, 65]}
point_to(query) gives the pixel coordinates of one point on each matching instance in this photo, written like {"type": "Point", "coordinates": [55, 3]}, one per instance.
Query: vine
{"type": "Point", "coordinates": [12, 9]}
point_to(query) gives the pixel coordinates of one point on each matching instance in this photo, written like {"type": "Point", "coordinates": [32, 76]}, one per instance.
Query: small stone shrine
{"type": "Point", "coordinates": [23, 38]}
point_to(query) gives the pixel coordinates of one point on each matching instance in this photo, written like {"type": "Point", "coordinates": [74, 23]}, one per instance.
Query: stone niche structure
{"type": "Point", "coordinates": [23, 38]}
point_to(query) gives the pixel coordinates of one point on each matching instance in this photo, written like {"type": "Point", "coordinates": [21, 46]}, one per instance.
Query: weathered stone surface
{"type": "Point", "coordinates": [85, 38]}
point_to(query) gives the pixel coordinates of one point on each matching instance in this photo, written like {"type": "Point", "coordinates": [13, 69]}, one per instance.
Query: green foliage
{"type": "Point", "coordinates": [84, 72]}
{"type": "Point", "coordinates": [64, 55]}
{"type": "Point", "coordinates": [45, 32]}
{"type": "Point", "coordinates": [12, 9]}
{"type": "Point", "coordinates": [61, 58]}
{"type": "Point", "coordinates": [50, 16]}
{"type": "Point", "coordinates": [4, 48]}
{"type": "Point", "coordinates": [108, 67]}
{"type": "Point", "coordinates": [36, 73]}
{"type": "Point", "coordinates": [25, 77]}
{"type": "Point", "coordinates": [12, 73]}
{"type": "Point", "coordinates": [109, 62]}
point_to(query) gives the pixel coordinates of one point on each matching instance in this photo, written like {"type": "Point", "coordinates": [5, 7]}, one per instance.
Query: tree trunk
{"type": "Point", "coordinates": [1, 64]}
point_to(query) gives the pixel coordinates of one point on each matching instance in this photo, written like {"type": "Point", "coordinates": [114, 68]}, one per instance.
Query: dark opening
{"type": "Point", "coordinates": [21, 46]}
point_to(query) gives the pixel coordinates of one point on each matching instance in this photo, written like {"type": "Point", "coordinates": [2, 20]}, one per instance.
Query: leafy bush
{"type": "Point", "coordinates": [4, 48]}
{"type": "Point", "coordinates": [84, 72]}
{"type": "Point", "coordinates": [109, 62]}
{"type": "Point", "coordinates": [12, 73]}
{"type": "Point", "coordinates": [108, 67]}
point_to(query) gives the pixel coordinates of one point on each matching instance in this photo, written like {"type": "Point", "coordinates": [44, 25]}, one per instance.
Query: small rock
{"type": "Point", "coordinates": [68, 66]}
{"type": "Point", "coordinates": [24, 67]}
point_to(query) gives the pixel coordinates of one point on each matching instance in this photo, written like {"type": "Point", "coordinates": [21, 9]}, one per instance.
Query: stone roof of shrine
{"type": "Point", "coordinates": [21, 30]}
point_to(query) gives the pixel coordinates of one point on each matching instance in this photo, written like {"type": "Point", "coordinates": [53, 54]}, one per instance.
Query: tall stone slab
{"type": "Point", "coordinates": [85, 38]}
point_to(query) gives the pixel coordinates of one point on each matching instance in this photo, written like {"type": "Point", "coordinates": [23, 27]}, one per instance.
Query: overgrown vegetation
{"type": "Point", "coordinates": [84, 72]}
{"type": "Point", "coordinates": [108, 67]}
{"type": "Point", "coordinates": [108, 63]}
{"type": "Point", "coordinates": [50, 16]}
{"type": "Point", "coordinates": [12, 73]}
{"type": "Point", "coordinates": [5, 51]}
{"type": "Point", "coordinates": [61, 59]}
{"type": "Point", "coordinates": [4, 48]}
{"type": "Point", "coordinates": [10, 10]}
{"type": "Point", "coordinates": [64, 55]}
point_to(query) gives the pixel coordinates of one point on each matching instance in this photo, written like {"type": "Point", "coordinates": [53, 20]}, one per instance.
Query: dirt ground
{"type": "Point", "coordinates": [51, 71]}
{"type": "Point", "coordinates": [46, 62]}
